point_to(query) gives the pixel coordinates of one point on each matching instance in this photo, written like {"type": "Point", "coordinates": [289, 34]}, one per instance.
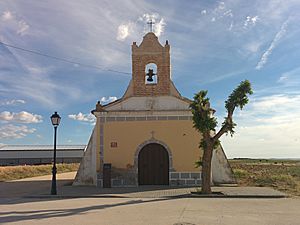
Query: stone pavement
{"type": "Point", "coordinates": [151, 211]}
{"type": "Point", "coordinates": [39, 187]}
{"type": "Point", "coordinates": [139, 206]}
{"type": "Point", "coordinates": [165, 192]}
{"type": "Point", "coordinates": [33, 185]}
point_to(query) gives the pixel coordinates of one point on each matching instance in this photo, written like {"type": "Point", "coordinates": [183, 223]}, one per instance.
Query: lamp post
{"type": "Point", "coordinates": [55, 119]}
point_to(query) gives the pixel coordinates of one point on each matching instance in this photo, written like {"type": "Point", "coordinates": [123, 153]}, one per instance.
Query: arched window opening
{"type": "Point", "coordinates": [151, 73]}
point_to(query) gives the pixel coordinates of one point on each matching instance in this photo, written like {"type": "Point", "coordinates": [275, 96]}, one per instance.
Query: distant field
{"type": "Point", "coordinates": [19, 172]}
{"type": "Point", "coordinates": [283, 175]}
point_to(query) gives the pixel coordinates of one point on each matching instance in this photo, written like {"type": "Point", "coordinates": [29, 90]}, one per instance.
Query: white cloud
{"type": "Point", "coordinates": [290, 78]}
{"type": "Point", "coordinates": [276, 103]}
{"type": "Point", "coordinates": [267, 126]}
{"type": "Point", "coordinates": [7, 15]}
{"type": "Point", "coordinates": [11, 21]}
{"type": "Point", "coordinates": [11, 131]}
{"type": "Point", "coordinates": [282, 78]}
{"type": "Point", "coordinates": [222, 10]}
{"type": "Point", "coordinates": [159, 27]}
{"type": "Point", "coordinates": [228, 13]}
{"type": "Point", "coordinates": [130, 28]}
{"type": "Point", "coordinates": [250, 21]}
{"type": "Point", "coordinates": [264, 141]}
{"type": "Point", "coordinates": [22, 27]}
{"type": "Point", "coordinates": [110, 56]}
{"type": "Point", "coordinates": [83, 117]}
{"type": "Point", "coordinates": [221, 6]}
{"type": "Point", "coordinates": [124, 30]}
{"type": "Point", "coordinates": [231, 26]}
{"type": "Point", "coordinates": [21, 117]}
{"type": "Point", "coordinates": [274, 43]}
{"type": "Point", "coordinates": [37, 83]}
{"type": "Point", "coordinates": [203, 12]}
{"type": "Point", "coordinates": [276, 10]}
{"type": "Point", "coordinates": [277, 109]}
{"type": "Point", "coordinates": [253, 46]}
{"type": "Point", "coordinates": [13, 102]}
{"type": "Point", "coordinates": [224, 76]}
{"type": "Point", "coordinates": [105, 100]}
{"type": "Point", "coordinates": [254, 20]}
{"type": "Point", "coordinates": [159, 23]}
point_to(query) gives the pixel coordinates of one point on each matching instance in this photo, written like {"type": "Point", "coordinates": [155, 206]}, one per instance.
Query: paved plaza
{"type": "Point", "coordinates": [138, 211]}
{"type": "Point", "coordinates": [27, 202]}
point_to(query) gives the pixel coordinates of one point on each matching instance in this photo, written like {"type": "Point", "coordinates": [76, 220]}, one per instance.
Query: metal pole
{"type": "Point", "coordinates": [53, 187]}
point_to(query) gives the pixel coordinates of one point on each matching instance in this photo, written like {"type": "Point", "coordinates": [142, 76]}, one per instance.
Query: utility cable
{"type": "Point", "coordinates": [62, 59]}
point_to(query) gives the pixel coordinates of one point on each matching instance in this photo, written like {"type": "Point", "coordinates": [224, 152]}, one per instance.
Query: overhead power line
{"type": "Point", "coordinates": [63, 59]}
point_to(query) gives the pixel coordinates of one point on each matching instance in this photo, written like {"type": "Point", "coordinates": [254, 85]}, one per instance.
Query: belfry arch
{"type": "Point", "coordinates": [151, 73]}
{"type": "Point", "coordinates": [151, 51]}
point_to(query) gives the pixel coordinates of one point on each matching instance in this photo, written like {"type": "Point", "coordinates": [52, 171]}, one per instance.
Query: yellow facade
{"type": "Point", "coordinates": [180, 137]}
{"type": "Point", "coordinates": [147, 136]}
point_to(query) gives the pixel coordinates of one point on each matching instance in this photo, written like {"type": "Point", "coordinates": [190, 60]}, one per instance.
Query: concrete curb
{"type": "Point", "coordinates": [191, 195]}
{"type": "Point", "coordinates": [73, 196]}
{"type": "Point", "coordinates": [237, 196]}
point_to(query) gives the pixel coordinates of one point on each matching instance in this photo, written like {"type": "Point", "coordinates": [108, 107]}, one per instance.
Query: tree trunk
{"type": "Point", "coordinates": [206, 170]}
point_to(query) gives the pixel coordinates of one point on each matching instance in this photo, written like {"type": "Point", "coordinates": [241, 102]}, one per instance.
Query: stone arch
{"type": "Point", "coordinates": [151, 141]}
{"type": "Point", "coordinates": [151, 66]}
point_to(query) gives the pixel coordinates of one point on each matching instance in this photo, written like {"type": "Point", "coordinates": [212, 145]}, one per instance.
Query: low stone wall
{"type": "Point", "coordinates": [120, 178]}
{"type": "Point", "coordinates": [129, 178]}
{"type": "Point", "coordinates": [184, 178]}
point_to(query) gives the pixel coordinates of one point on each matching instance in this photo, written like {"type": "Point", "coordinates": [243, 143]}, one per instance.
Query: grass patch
{"type": "Point", "coordinates": [19, 172]}
{"type": "Point", "coordinates": [240, 173]}
{"type": "Point", "coordinates": [281, 175]}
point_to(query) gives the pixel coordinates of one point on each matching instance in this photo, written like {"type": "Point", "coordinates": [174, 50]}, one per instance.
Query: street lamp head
{"type": "Point", "coordinates": [55, 119]}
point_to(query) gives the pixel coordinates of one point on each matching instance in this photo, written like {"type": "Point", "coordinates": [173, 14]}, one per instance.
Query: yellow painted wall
{"type": "Point", "coordinates": [180, 136]}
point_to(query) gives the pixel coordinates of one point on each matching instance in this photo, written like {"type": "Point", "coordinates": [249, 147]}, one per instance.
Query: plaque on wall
{"type": "Point", "coordinates": [113, 144]}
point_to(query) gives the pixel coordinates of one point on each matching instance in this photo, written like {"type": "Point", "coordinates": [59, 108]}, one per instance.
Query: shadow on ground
{"type": "Point", "coordinates": [15, 216]}
{"type": "Point", "coordinates": [13, 192]}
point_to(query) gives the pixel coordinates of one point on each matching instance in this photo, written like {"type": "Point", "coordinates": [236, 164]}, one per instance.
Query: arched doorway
{"type": "Point", "coordinates": [153, 165]}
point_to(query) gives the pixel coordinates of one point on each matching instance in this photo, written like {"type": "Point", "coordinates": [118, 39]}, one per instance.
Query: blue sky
{"type": "Point", "coordinates": [214, 46]}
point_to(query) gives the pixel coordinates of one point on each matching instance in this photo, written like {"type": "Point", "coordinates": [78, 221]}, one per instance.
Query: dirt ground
{"type": "Point", "coordinates": [283, 175]}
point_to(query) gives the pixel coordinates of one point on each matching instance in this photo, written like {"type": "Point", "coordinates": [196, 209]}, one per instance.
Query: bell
{"type": "Point", "coordinates": [150, 79]}
{"type": "Point", "coordinates": [150, 74]}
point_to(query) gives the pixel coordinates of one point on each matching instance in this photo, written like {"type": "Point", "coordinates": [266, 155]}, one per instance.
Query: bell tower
{"type": "Point", "coordinates": [151, 67]}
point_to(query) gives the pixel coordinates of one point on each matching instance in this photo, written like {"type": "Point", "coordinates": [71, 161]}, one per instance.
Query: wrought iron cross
{"type": "Point", "coordinates": [151, 25]}
{"type": "Point", "coordinates": [152, 134]}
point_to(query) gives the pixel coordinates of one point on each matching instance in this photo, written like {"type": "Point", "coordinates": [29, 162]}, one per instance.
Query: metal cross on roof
{"type": "Point", "coordinates": [152, 134]}
{"type": "Point", "coordinates": [151, 25]}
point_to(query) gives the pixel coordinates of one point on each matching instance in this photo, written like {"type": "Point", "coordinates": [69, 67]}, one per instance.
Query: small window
{"type": "Point", "coordinates": [151, 73]}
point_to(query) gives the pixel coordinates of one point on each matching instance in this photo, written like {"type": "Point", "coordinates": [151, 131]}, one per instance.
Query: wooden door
{"type": "Point", "coordinates": [107, 175]}
{"type": "Point", "coordinates": [153, 165]}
